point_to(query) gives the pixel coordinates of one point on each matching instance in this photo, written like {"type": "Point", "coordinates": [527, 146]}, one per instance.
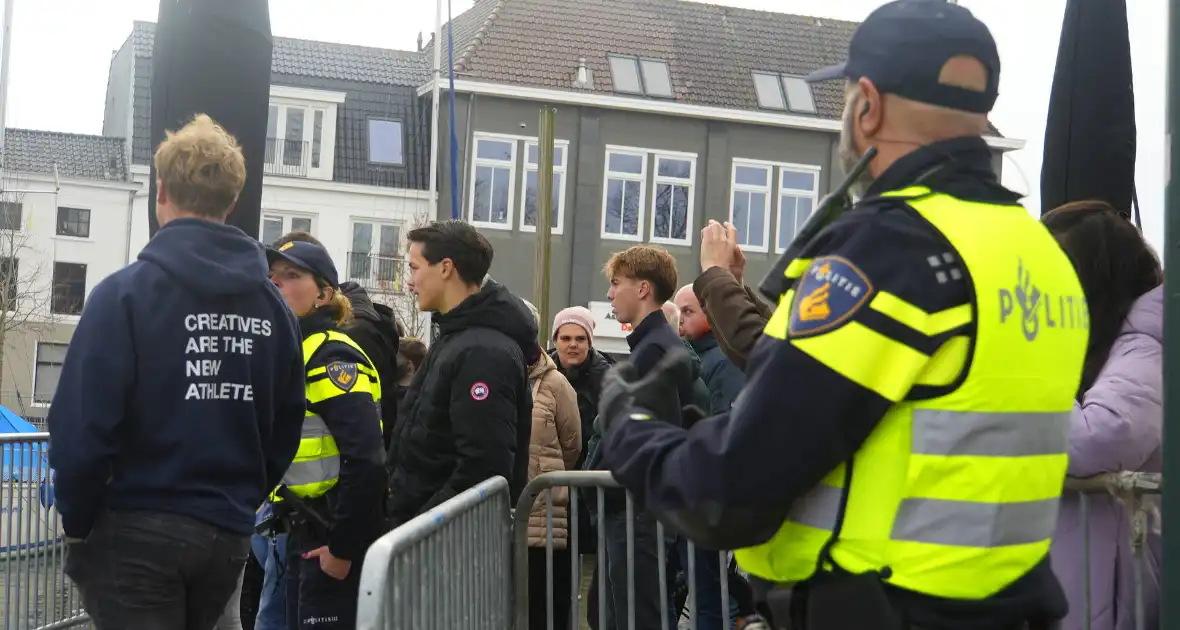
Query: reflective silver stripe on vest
{"type": "Point", "coordinates": [1014, 434]}
{"type": "Point", "coordinates": [316, 470]}
{"type": "Point", "coordinates": [967, 524]}
{"type": "Point", "coordinates": [942, 522]}
{"type": "Point", "coordinates": [963, 523]}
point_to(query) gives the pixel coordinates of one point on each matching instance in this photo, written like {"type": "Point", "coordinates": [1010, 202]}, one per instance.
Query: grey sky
{"type": "Point", "coordinates": [61, 53]}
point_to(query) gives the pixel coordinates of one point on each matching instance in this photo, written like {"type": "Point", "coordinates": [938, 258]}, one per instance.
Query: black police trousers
{"type": "Point", "coordinates": [316, 600]}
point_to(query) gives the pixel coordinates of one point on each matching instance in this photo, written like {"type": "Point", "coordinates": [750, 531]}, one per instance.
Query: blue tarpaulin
{"type": "Point", "coordinates": [21, 462]}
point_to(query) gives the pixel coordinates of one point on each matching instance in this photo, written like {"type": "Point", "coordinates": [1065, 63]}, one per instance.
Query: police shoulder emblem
{"type": "Point", "coordinates": [342, 375]}
{"type": "Point", "coordinates": [830, 292]}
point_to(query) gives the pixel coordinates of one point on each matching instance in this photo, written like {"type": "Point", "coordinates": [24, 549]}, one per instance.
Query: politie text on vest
{"type": "Point", "coordinates": [213, 335]}
{"type": "Point", "coordinates": [1037, 306]}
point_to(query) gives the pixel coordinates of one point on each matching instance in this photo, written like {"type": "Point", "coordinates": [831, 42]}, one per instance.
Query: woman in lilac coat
{"type": "Point", "coordinates": [1118, 418]}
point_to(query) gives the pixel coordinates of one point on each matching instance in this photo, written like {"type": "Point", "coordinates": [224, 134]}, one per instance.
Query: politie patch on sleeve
{"type": "Point", "coordinates": [342, 375]}
{"type": "Point", "coordinates": [830, 292]}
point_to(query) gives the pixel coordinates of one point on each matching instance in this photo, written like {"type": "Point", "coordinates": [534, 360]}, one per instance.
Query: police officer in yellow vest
{"type": "Point", "coordinates": [332, 494]}
{"type": "Point", "coordinates": [896, 457]}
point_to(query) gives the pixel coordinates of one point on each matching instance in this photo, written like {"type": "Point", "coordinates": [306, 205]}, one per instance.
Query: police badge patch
{"type": "Point", "coordinates": [342, 375]}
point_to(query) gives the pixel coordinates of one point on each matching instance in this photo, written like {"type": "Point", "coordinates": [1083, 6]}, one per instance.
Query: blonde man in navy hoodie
{"type": "Point", "coordinates": [180, 404]}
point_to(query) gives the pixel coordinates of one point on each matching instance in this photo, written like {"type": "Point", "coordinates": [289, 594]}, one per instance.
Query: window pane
{"type": "Point", "coordinates": [385, 142]}
{"type": "Point", "coordinates": [51, 353]}
{"type": "Point", "coordinates": [10, 215]}
{"type": "Point", "coordinates": [317, 137]}
{"type": "Point", "coordinates": [388, 244]}
{"type": "Point", "coordinates": [69, 288]}
{"type": "Point", "coordinates": [558, 155]}
{"type": "Point", "coordinates": [362, 237]}
{"type": "Point", "coordinates": [750, 175]}
{"type": "Point", "coordinates": [481, 198]}
{"type": "Point", "coordinates": [786, 220]}
{"type": "Point", "coordinates": [272, 229]}
{"type": "Point", "coordinates": [631, 208]}
{"type": "Point", "coordinates": [798, 180]}
{"type": "Point", "coordinates": [614, 206]}
{"type": "Point", "coordinates": [293, 137]}
{"type": "Point", "coordinates": [769, 94]}
{"type": "Point", "coordinates": [741, 216]}
{"type": "Point", "coordinates": [656, 78]}
{"type": "Point", "coordinates": [10, 280]}
{"type": "Point", "coordinates": [675, 168]}
{"type": "Point", "coordinates": [799, 97]}
{"type": "Point", "coordinates": [272, 122]}
{"type": "Point", "coordinates": [624, 72]}
{"type": "Point", "coordinates": [493, 150]}
{"type": "Point", "coordinates": [625, 163]}
{"type": "Point", "coordinates": [73, 222]}
{"type": "Point", "coordinates": [802, 212]}
{"type": "Point", "coordinates": [530, 201]}
{"type": "Point", "coordinates": [679, 211]}
{"type": "Point", "coordinates": [301, 224]}
{"type": "Point", "coordinates": [663, 211]}
{"type": "Point", "coordinates": [757, 219]}
{"type": "Point", "coordinates": [501, 180]}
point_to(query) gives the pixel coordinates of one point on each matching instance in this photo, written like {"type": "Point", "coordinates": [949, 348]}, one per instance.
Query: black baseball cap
{"type": "Point", "coordinates": [308, 257]}
{"type": "Point", "coordinates": [902, 46]}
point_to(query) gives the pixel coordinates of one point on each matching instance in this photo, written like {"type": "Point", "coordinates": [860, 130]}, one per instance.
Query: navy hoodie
{"type": "Point", "coordinates": [183, 387]}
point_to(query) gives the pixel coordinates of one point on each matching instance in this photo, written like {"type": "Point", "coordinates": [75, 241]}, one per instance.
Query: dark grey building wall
{"type": "Point", "coordinates": [362, 101]}
{"type": "Point", "coordinates": [118, 106]}
{"type": "Point", "coordinates": [579, 254]}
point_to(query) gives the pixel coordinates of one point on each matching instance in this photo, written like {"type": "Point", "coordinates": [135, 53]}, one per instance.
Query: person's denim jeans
{"type": "Point", "coordinates": [646, 578]}
{"type": "Point", "coordinates": [707, 566]}
{"type": "Point", "coordinates": [155, 570]}
{"type": "Point", "coordinates": [271, 553]}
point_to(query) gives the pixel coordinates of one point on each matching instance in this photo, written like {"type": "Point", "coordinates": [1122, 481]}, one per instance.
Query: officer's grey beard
{"type": "Point", "coordinates": [849, 156]}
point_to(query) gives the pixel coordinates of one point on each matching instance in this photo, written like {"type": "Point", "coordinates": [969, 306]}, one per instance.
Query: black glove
{"type": "Point", "coordinates": [657, 392]}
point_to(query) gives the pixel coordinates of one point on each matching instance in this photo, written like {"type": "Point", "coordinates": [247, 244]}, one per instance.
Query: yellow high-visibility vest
{"type": "Point", "coordinates": [954, 496]}
{"type": "Point", "coordinates": [316, 468]}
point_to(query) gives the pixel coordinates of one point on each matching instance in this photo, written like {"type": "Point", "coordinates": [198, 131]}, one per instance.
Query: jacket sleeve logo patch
{"type": "Point", "coordinates": [479, 391]}
{"type": "Point", "coordinates": [342, 375]}
{"type": "Point", "coordinates": [830, 292]}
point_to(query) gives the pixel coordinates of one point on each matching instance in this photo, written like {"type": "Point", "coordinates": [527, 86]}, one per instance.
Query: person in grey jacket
{"type": "Point", "coordinates": [722, 378]}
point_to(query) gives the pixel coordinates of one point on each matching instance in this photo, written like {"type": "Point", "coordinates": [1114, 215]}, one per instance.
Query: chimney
{"type": "Point", "coordinates": [419, 41]}
{"type": "Point", "coordinates": [582, 78]}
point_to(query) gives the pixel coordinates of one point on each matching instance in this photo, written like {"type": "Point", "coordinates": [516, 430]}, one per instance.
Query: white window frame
{"type": "Point", "coordinates": [564, 145]}
{"type": "Point", "coordinates": [813, 194]}
{"type": "Point", "coordinates": [641, 177]}
{"type": "Point", "coordinates": [283, 96]}
{"type": "Point", "coordinates": [511, 165]}
{"type": "Point", "coordinates": [36, 352]}
{"type": "Point", "coordinates": [658, 179]}
{"type": "Point", "coordinates": [286, 219]}
{"type": "Point", "coordinates": [375, 250]}
{"type": "Point", "coordinates": [767, 190]}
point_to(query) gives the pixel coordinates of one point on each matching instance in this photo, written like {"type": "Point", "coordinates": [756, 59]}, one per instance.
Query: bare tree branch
{"type": "Point", "coordinates": [26, 272]}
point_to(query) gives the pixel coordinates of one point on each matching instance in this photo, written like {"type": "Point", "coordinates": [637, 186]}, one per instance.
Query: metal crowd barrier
{"type": "Point", "coordinates": [600, 480]}
{"type": "Point", "coordinates": [34, 591]}
{"type": "Point", "coordinates": [445, 569]}
{"type": "Point", "coordinates": [1135, 491]}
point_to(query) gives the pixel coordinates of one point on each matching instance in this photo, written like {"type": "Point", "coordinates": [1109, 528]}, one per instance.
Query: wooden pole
{"type": "Point", "coordinates": [544, 222]}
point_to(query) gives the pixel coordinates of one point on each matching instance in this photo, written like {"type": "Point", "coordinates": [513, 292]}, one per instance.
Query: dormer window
{"type": "Point", "coordinates": [301, 132]}
{"type": "Point", "coordinates": [644, 77]}
{"type": "Point", "coordinates": [785, 92]}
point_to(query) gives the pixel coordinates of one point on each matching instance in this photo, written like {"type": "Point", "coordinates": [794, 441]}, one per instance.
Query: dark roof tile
{"type": "Point", "coordinates": [325, 60]}
{"type": "Point", "coordinates": [76, 155]}
{"type": "Point", "coordinates": [711, 50]}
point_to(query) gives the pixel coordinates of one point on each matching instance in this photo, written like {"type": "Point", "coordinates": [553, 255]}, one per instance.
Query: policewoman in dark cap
{"type": "Point", "coordinates": [896, 457]}
{"type": "Point", "coordinates": [330, 500]}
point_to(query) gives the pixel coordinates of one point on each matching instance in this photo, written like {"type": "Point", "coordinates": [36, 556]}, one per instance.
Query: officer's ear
{"type": "Point", "coordinates": [871, 115]}
{"type": "Point", "coordinates": [325, 296]}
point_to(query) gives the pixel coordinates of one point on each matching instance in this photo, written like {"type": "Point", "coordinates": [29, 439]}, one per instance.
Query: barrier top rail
{"type": "Point", "coordinates": [375, 572]}
{"type": "Point", "coordinates": [10, 438]}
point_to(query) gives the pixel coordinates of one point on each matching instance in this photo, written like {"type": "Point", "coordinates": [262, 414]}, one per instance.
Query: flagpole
{"type": "Point", "coordinates": [5, 50]}
{"type": "Point", "coordinates": [434, 99]}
